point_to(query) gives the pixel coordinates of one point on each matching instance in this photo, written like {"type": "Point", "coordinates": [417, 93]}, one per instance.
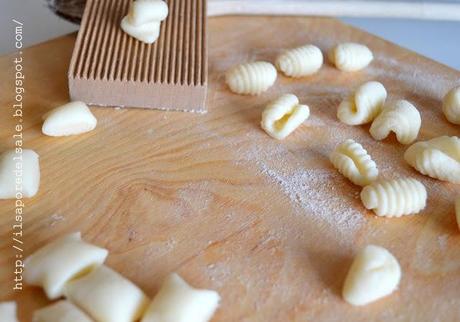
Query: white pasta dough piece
{"type": "Point", "coordinates": [451, 105]}
{"type": "Point", "coordinates": [353, 161]}
{"type": "Point", "coordinates": [364, 105]}
{"type": "Point", "coordinates": [350, 57]}
{"type": "Point", "coordinates": [107, 296]}
{"type": "Point", "coordinates": [144, 18]}
{"type": "Point", "coordinates": [282, 116]}
{"type": "Point", "coordinates": [55, 264]}
{"type": "Point", "coordinates": [251, 78]}
{"type": "Point", "coordinates": [62, 311]}
{"type": "Point", "coordinates": [438, 158]}
{"type": "Point", "coordinates": [400, 117]}
{"type": "Point", "coordinates": [8, 312]}
{"type": "Point", "coordinates": [374, 273]}
{"type": "Point", "coordinates": [147, 33]}
{"type": "Point", "coordinates": [145, 11]}
{"type": "Point", "coordinates": [457, 211]}
{"type": "Point", "coordinates": [301, 61]}
{"type": "Point", "coordinates": [179, 302]}
{"type": "Point", "coordinates": [23, 166]}
{"type": "Point", "coordinates": [394, 198]}
{"type": "Point", "coordinates": [69, 119]}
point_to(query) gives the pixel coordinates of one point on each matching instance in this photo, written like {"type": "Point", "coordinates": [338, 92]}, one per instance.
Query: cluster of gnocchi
{"type": "Point", "coordinates": [256, 77]}
{"type": "Point", "coordinates": [375, 272]}
{"type": "Point", "coordinates": [144, 18]}
{"type": "Point", "coordinates": [438, 158]}
{"type": "Point", "coordinates": [69, 119]}
{"type": "Point", "coordinates": [368, 104]}
{"type": "Point", "coordinates": [71, 268]}
{"type": "Point", "coordinates": [388, 198]}
{"type": "Point", "coordinates": [282, 116]}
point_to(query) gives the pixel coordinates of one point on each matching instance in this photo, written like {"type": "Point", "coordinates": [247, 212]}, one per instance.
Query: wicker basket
{"type": "Point", "coordinates": [71, 10]}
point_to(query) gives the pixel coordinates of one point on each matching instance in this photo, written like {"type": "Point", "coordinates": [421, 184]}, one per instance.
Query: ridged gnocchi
{"type": "Point", "coordinates": [251, 78]}
{"type": "Point", "coordinates": [8, 312]}
{"type": "Point", "coordinates": [61, 311]}
{"type": "Point", "coordinates": [301, 61]}
{"type": "Point", "coordinates": [400, 117]}
{"type": "Point", "coordinates": [394, 198]}
{"type": "Point", "coordinates": [350, 56]}
{"type": "Point", "coordinates": [364, 105]}
{"type": "Point", "coordinates": [374, 273]}
{"type": "Point", "coordinates": [451, 105]}
{"type": "Point", "coordinates": [179, 302]}
{"type": "Point", "coordinates": [55, 264]}
{"type": "Point", "coordinates": [107, 296]}
{"type": "Point", "coordinates": [353, 161]}
{"type": "Point", "coordinates": [282, 116]}
{"type": "Point", "coordinates": [438, 158]}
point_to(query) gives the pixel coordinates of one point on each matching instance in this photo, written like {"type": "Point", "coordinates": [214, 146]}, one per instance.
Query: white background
{"type": "Point", "coordinates": [435, 39]}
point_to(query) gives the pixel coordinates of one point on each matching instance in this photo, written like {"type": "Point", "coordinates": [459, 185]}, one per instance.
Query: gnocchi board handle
{"type": "Point", "coordinates": [374, 9]}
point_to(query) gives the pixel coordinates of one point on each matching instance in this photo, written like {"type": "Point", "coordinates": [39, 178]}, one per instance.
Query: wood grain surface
{"type": "Point", "coordinates": [270, 225]}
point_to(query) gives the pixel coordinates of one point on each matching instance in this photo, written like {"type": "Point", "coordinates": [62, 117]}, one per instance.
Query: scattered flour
{"type": "Point", "coordinates": [418, 80]}
{"type": "Point", "coordinates": [317, 193]}
{"type": "Point", "coordinates": [313, 192]}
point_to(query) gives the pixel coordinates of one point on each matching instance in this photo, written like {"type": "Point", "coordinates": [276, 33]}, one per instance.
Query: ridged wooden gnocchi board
{"type": "Point", "coordinates": [270, 225]}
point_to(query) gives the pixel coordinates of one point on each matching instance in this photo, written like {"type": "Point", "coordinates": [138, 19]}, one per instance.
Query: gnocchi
{"type": "Point", "coordinates": [147, 33]}
{"type": "Point", "coordinates": [400, 117]}
{"type": "Point", "coordinates": [438, 158]}
{"type": "Point", "coordinates": [451, 105]}
{"type": "Point", "coordinates": [144, 18]}
{"type": "Point", "coordinates": [61, 311]}
{"type": "Point", "coordinates": [251, 78]}
{"type": "Point", "coordinates": [364, 105]}
{"type": "Point", "coordinates": [107, 296]}
{"type": "Point", "coordinates": [145, 11]}
{"type": "Point", "coordinates": [8, 312]}
{"type": "Point", "coordinates": [55, 264]}
{"type": "Point", "coordinates": [178, 302]}
{"type": "Point", "coordinates": [353, 161]}
{"type": "Point", "coordinates": [282, 116]}
{"type": "Point", "coordinates": [374, 273]}
{"type": "Point", "coordinates": [29, 177]}
{"type": "Point", "coordinates": [394, 198]}
{"type": "Point", "coordinates": [301, 61]}
{"type": "Point", "coordinates": [70, 119]}
{"type": "Point", "coordinates": [350, 56]}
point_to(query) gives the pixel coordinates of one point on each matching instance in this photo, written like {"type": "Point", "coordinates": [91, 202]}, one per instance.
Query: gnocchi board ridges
{"type": "Point", "coordinates": [107, 64]}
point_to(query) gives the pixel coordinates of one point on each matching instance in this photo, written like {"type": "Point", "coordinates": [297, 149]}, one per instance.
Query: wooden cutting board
{"type": "Point", "coordinates": [270, 225]}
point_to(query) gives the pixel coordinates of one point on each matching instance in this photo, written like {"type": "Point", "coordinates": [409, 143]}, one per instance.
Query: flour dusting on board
{"type": "Point", "coordinates": [316, 193]}
{"type": "Point", "coordinates": [313, 191]}
{"type": "Point", "coordinates": [419, 80]}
